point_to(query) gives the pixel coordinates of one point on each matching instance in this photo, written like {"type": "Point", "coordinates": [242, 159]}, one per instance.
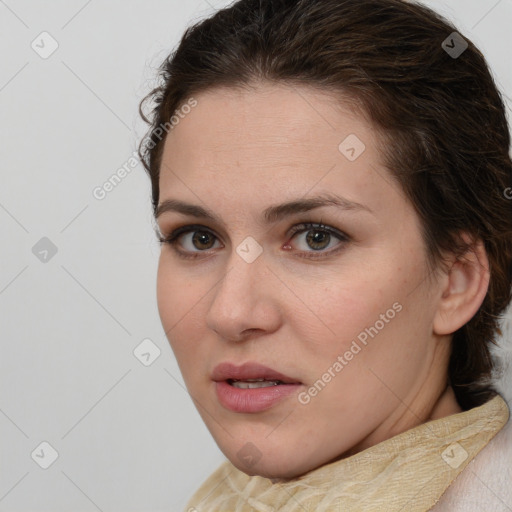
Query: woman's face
{"type": "Point", "coordinates": [344, 312]}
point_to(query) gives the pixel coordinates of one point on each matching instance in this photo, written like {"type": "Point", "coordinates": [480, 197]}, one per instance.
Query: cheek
{"type": "Point", "coordinates": [370, 308]}
{"type": "Point", "coordinates": [349, 304]}
{"type": "Point", "coordinates": [166, 286]}
{"type": "Point", "coordinates": [382, 337]}
{"type": "Point", "coordinates": [178, 301]}
{"type": "Point", "coordinates": [176, 291]}
{"type": "Point", "coordinates": [180, 311]}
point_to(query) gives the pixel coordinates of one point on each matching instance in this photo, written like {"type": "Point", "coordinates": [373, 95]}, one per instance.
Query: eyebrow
{"type": "Point", "coordinates": [271, 214]}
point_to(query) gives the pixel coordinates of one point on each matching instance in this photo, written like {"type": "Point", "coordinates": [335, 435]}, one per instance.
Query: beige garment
{"type": "Point", "coordinates": [408, 472]}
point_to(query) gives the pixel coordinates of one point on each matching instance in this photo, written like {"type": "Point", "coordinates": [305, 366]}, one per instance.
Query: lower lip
{"type": "Point", "coordinates": [252, 400]}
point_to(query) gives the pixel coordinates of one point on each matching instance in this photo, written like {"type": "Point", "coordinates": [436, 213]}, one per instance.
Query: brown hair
{"type": "Point", "coordinates": [442, 115]}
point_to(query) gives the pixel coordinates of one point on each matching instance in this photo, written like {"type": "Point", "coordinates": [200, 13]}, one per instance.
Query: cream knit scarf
{"type": "Point", "coordinates": [408, 472]}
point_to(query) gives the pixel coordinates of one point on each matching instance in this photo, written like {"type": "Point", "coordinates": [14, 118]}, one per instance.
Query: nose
{"type": "Point", "coordinates": [244, 303]}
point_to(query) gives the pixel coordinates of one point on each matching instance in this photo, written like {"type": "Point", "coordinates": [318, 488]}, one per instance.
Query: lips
{"type": "Point", "coordinates": [237, 391]}
{"type": "Point", "coordinates": [249, 371]}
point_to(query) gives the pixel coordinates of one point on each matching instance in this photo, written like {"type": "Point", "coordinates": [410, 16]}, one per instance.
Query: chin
{"type": "Point", "coordinates": [269, 471]}
{"type": "Point", "coordinates": [278, 467]}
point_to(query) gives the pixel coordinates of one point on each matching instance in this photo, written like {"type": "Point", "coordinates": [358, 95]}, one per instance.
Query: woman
{"type": "Point", "coordinates": [329, 184]}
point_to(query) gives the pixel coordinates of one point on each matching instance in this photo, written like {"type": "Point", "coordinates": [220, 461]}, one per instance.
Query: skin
{"type": "Point", "coordinates": [238, 152]}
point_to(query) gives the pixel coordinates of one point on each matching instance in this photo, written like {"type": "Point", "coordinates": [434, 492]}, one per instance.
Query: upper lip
{"type": "Point", "coordinates": [249, 370]}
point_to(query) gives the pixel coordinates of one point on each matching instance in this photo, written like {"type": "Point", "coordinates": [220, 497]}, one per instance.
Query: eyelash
{"type": "Point", "coordinates": [172, 239]}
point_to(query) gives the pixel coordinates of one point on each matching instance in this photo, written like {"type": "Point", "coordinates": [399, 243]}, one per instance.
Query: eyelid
{"type": "Point", "coordinates": [301, 227]}
{"type": "Point", "coordinates": [320, 226]}
{"type": "Point", "coordinates": [183, 230]}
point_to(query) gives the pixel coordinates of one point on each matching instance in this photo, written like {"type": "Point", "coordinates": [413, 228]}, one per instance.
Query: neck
{"type": "Point", "coordinates": [445, 406]}
{"type": "Point", "coordinates": [432, 399]}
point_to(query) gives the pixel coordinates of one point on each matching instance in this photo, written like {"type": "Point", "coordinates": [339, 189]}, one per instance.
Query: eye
{"type": "Point", "coordinates": [318, 237]}
{"type": "Point", "coordinates": [201, 239]}
{"type": "Point", "coordinates": [190, 241]}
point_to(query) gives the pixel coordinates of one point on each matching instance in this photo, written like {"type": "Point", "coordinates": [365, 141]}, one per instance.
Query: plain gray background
{"type": "Point", "coordinates": [76, 305]}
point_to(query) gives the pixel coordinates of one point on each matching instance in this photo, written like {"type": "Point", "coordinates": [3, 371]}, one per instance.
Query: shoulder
{"type": "Point", "coordinates": [485, 484]}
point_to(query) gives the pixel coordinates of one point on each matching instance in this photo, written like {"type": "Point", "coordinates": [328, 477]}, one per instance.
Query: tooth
{"type": "Point", "coordinates": [254, 384]}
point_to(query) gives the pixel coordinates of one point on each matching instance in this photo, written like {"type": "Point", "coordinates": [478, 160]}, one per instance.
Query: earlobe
{"type": "Point", "coordinates": [464, 290]}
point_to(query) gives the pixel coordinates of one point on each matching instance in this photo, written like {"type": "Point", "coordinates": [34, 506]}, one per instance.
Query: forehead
{"type": "Point", "coordinates": [270, 125]}
{"type": "Point", "coordinates": [271, 141]}
{"type": "Point", "coordinates": [278, 111]}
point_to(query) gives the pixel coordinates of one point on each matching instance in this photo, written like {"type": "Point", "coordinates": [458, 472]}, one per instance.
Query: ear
{"type": "Point", "coordinates": [463, 288]}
